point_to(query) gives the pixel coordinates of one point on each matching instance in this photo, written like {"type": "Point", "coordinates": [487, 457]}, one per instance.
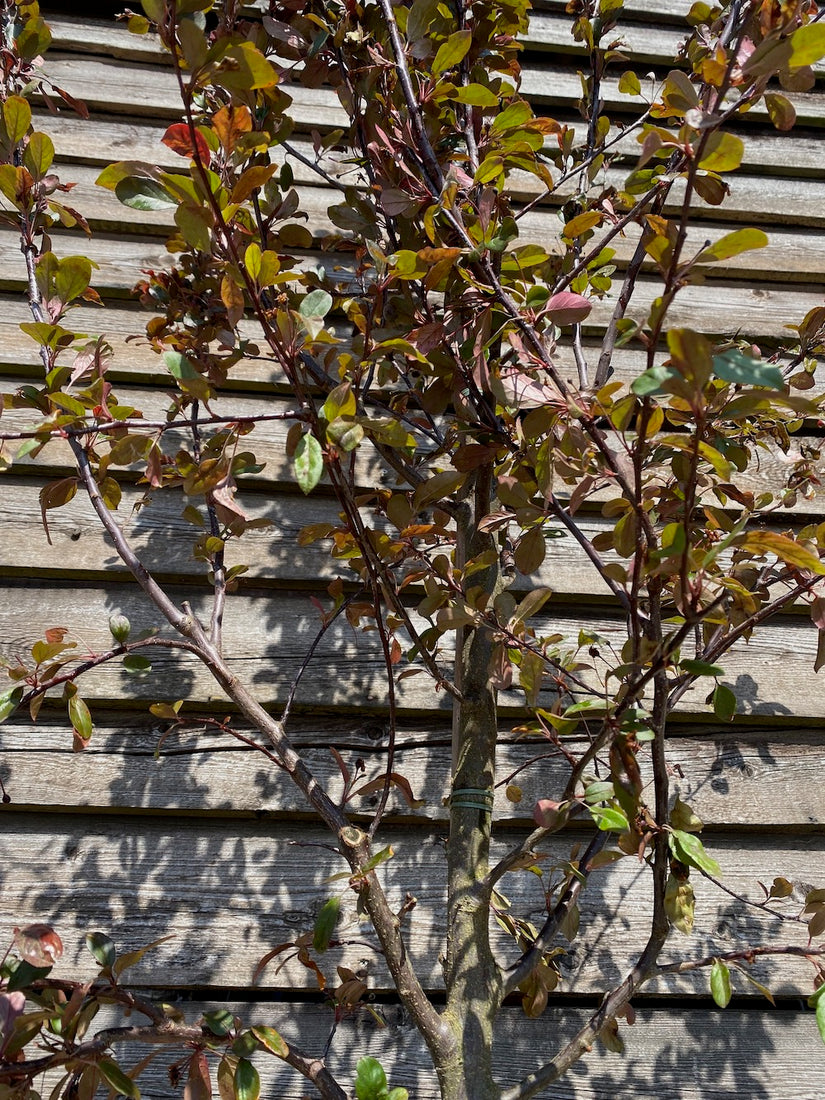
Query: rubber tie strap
{"type": "Point", "coordinates": [470, 798]}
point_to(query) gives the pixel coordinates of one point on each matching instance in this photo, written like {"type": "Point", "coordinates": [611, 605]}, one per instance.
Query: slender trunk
{"type": "Point", "coordinates": [472, 976]}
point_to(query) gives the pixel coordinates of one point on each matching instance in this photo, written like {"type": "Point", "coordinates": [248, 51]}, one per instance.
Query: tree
{"type": "Point", "coordinates": [438, 344]}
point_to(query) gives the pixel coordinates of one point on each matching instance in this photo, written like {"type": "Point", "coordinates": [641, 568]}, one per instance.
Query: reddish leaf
{"type": "Point", "coordinates": [567, 308]}
{"type": "Point", "coordinates": [38, 944]}
{"type": "Point", "coordinates": [178, 138]}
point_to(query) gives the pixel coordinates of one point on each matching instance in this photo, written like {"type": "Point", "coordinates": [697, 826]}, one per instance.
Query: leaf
{"type": "Point", "coordinates": [807, 45]}
{"type": "Point", "coordinates": [247, 1081]}
{"type": "Point", "coordinates": [476, 95]}
{"type": "Point", "coordinates": [140, 193]}
{"type": "Point", "coordinates": [198, 1083]}
{"type": "Point", "coordinates": [734, 366]}
{"type": "Point", "coordinates": [325, 923]}
{"type": "Point", "coordinates": [781, 111]}
{"type": "Point", "coordinates": [55, 495]}
{"type": "Point", "coordinates": [370, 1080]}
{"type": "Point", "coordinates": [38, 944]}
{"type": "Point", "coordinates": [700, 668]}
{"type": "Point", "coordinates": [317, 303]}
{"type": "Point", "coordinates": [17, 115]}
{"type": "Point", "coordinates": [610, 819]}
{"type": "Point", "coordinates": [244, 69]}
{"type": "Point", "coordinates": [132, 958]}
{"type": "Point", "coordinates": [680, 904]}
{"type": "Point", "coordinates": [252, 180]}
{"type": "Point", "coordinates": [117, 1079]}
{"type": "Point", "coordinates": [102, 947]}
{"type": "Point", "coordinates": [689, 850]}
{"type": "Point", "coordinates": [178, 138]}
{"type": "Point", "coordinates": [724, 702]}
{"type": "Point", "coordinates": [452, 52]}
{"type": "Point", "coordinates": [220, 1021]}
{"type": "Point", "coordinates": [683, 817]}
{"type": "Point", "coordinates": [38, 156]}
{"type": "Point", "coordinates": [531, 604]}
{"type": "Point", "coordinates": [136, 664]}
{"type": "Point", "coordinates": [741, 240]}
{"type": "Point", "coordinates": [720, 983]}
{"type": "Point", "coordinates": [271, 1040]}
{"type": "Point", "coordinates": [723, 152]}
{"type": "Point", "coordinates": [80, 718]}
{"type": "Point", "coordinates": [567, 308]}
{"type": "Point", "coordinates": [308, 463]}
{"type": "Point", "coordinates": [820, 1012]}
{"type": "Point", "coordinates": [9, 701]}
{"type": "Point", "coordinates": [786, 549]}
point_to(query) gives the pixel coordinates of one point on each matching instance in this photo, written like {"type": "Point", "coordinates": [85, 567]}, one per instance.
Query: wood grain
{"type": "Point", "coordinates": [231, 892]}
{"type": "Point", "coordinates": [758, 779]}
{"type": "Point", "coordinates": [684, 1052]}
{"type": "Point", "coordinates": [267, 636]}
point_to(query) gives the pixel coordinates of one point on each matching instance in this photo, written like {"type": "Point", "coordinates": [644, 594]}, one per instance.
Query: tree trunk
{"type": "Point", "coordinates": [472, 976]}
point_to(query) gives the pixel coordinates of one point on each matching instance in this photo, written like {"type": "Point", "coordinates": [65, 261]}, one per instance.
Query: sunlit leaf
{"type": "Point", "coordinates": [720, 983]}
{"type": "Point", "coordinates": [308, 463]}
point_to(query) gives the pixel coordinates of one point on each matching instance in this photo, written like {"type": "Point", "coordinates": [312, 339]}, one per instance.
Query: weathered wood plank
{"type": "Point", "coordinates": [724, 307]}
{"type": "Point", "coordinates": [746, 779]}
{"type": "Point", "coordinates": [268, 636]}
{"type": "Point", "coordinates": [233, 892]}
{"type": "Point", "coordinates": [146, 90]}
{"type": "Point", "coordinates": [692, 1053]}
{"type": "Point", "coordinates": [105, 138]}
{"type": "Point", "coordinates": [796, 252]}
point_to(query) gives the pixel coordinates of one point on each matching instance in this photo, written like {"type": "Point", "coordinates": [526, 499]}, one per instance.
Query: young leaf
{"type": "Point", "coordinates": [102, 947]}
{"type": "Point", "coordinates": [688, 849]}
{"type": "Point", "coordinates": [370, 1080]}
{"type": "Point", "coordinates": [741, 240]}
{"type": "Point", "coordinates": [325, 923]}
{"type": "Point", "coordinates": [720, 983]}
{"type": "Point", "coordinates": [452, 52]}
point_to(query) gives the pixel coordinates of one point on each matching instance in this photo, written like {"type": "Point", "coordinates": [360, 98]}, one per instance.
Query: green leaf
{"type": "Point", "coordinates": [270, 1039]}
{"type": "Point", "coordinates": [723, 153]}
{"type": "Point", "coordinates": [629, 83]}
{"type": "Point", "coordinates": [188, 377]}
{"type": "Point", "coordinates": [139, 193]}
{"type": "Point", "coordinates": [247, 1081]}
{"type": "Point", "coordinates": [39, 155]}
{"type": "Point", "coordinates": [24, 974]}
{"type": "Point", "coordinates": [807, 45]}
{"type": "Point", "coordinates": [688, 849]}
{"type": "Point", "coordinates": [820, 1017]}
{"type": "Point", "coordinates": [72, 277]}
{"type": "Point", "coordinates": [9, 701]}
{"type": "Point", "coordinates": [102, 947]}
{"type": "Point", "coordinates": [476, 95]}
{"type": "Point", "coordinates": [734, 366]}
{"type": "Point", "coordinates": [700, 668]}
{"type": "Point", "coordinates": [317, 303]}
{"type": "Point", "coordinates": [136, 664]}
{"type": "Point", "coordinates": [246, 69]}
{"type": "Point", "coordinates": [452, 52]}
{"type": "Point", "coordinates": [724, 702]}
{"type": "Point", "coordinates": [308, 463]}
{"type": "Point", "coordinates": [325, 923]}
{"type": "Point", "coordinates": [80, 718]}
{"type": "Point", "coordinates": [117, 1079]}
{"type": "Point", "coordinates": [370, 1080]}
{"type": "Point", "coordinates": [17, 115]}
{"type": "Point", "coordinates": [720, 983]}
{"type": "Point", "coordinates": [741, 240]}
{"type": "Point", "coordinates": [220, 1021]}
{"type": "Point", "coordinates": [652, 381]}
{"type": "Point", "coordinates": [610, 819]}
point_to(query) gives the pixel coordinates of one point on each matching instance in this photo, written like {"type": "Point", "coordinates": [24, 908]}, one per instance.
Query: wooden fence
{"type": "Point", "coordinates": [194, 834]}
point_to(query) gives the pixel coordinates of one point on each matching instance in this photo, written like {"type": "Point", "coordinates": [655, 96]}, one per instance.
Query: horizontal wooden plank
{"type": "Point", "coordinates": [671, 1051]}
{"type": "Point", "coordinates": [149, 91]}
{"type": "Point", "coordinates": [742, 780]}
{"type": "Point", "coordinates": [267, 636]}
{"type": "Point", "coordinates": [796, 207]}
{"type": "Point", "coordinates": [143, 879]}
{"type": "Point", "coordinates": [723, 307]}
{"type": "Point", "coordinates": [105, 138]}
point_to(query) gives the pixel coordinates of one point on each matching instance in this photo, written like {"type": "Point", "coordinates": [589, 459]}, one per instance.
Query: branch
{"type": "Point", "coordinates": [530, 959]}
{"type": "Point", "coordinates": [744, 954]}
